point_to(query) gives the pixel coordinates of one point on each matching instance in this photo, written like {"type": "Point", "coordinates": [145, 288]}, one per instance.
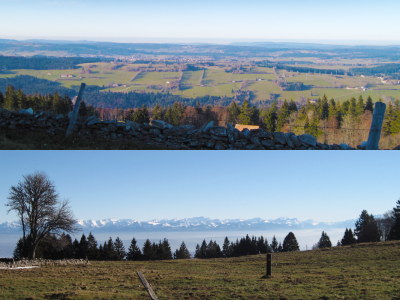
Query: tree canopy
{"type": "Point", "coordinates": [324, 241]}
{"type": "Point", "coordinates": [366, 228]}
{"type": "Point", "coordinates": [40, 210]}
{"type": "Point", "coordinates": [290, 243]}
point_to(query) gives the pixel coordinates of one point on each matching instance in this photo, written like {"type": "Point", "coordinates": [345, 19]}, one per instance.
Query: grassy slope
{"type": "Point", "coordinates": [365, 271]}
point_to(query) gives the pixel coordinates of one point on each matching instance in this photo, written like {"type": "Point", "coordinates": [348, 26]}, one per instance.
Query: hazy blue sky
{"type": "Point", "coordinates": [324, 186]}
{"type": "Point", "coordinates": [229, 19]}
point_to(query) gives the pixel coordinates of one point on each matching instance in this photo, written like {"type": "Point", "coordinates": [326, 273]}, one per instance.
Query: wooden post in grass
{"type": "Point", "coordinates": [147, 286]}
{"type": "Point", "coordinates": [376, 126]}
{"type": "Point", "coordinates": [76, 110]}
{"type": "Point", "coordinates": [269, 264]}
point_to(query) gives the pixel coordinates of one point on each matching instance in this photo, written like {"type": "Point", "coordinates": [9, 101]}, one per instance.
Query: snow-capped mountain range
{"type": "Point", "coordinates": [192, 224]}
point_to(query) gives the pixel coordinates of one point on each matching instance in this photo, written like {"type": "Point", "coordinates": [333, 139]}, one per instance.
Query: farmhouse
{"type": "Point", "coordinates": [66, 75]}
{"type": "Point", "coordinates": [249, 127]}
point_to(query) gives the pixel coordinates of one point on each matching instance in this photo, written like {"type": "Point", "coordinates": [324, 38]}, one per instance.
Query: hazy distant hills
{"type": "Point", "coordinates": [193, 224]}
{"type": "Point", "coordinates": [64, 48]}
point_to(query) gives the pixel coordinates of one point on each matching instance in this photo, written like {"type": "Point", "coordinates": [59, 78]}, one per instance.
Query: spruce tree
{"type": "Point", "coordinates": [58, 105]}
{"type": "Point", "coordinates": [147, 250]}
{"type": "Point", "coordinates": [324, 108]}
{"type": "Point", "coordinates": [141, 115]}
{"type": "Point", "coordinates": [284, 113]}
{"type": "Point", "coordinates": [203, 250]}
{"type": "Point", "coordinates": [274, 244]}
{"type": "Point", "coordinates": [83, 247]}
{"type": "Point", "coordinates": [292, 106]}
{"type": "Point", "coordinates": [348, 238]}
{"type": "Point", "coordinates": [104, 254]}
{"type": "Point", "coordinates": [167, 254]}
{"type": "Point", "coordinates": [67, 104]}
{"type": "Point", "coordinates": [389, 120]}
{"type": "Point", "coordinates": [280, 248]}
{"type": "Point", "coordinates": [225, 247]}
{"type": "Point", "coordinates": [234, 112]}
{"type": "Point", "coordinates": [92, 247]}
{"type": "Point", "coordinates": [197, 253]}
{"type": "Point", "coordinates": [68, 249]}
{"type": "Point", "coordinates": [177, 113]}
{"type": "Point", "coordinates": [182, 253]}
{"type": "Point", "coordinates": [82, 109]}
{"type": "Point", "coordinates": [22, 99]}
{"type": "Point", "coordinates": [360, 106]}
{"type": "Point", "coordinates": [145, 114]}
{"type": "Point", "coordinates": [246, 114]}
{"type": "Point", "coordinates": [134, 252]}
{"type": "Point", "coordinates": [119, 249]}
{"type": "Point", "coordinates": [394, 233]}
{"type": "Point", "coordinates": [11, 99]}
{"type": "Point", "coordinates": [261, 245]}
{"type": "Point", "coordinates": [168, 115]}
{"type": "Point", "coordinates": [369, 105]}
{"type": "Point", "coordinates": [129, 115]}
{"type": "Point", "coordinates": [111, 253]}
{"type": "Point", "coordinates": [353, 107]}
{"type": "Point", "coordinates": [290, 243]}
{"type": "Point", "coordinates": [101, 252]}
{"type": "Point", "coordinates": [75, 247]}
{"type": "Point", "coordinates": [324, 241]}
{"type": "Point", "coordinates": [157, 113]}
{"type": "Point", "coordinates": [366, 228]}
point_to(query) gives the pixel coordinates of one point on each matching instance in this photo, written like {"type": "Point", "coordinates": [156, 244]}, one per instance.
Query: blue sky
{"type": "Point", "coordinates": [145, 185]}
{"type": "Point", "coordinates": [217, 19]}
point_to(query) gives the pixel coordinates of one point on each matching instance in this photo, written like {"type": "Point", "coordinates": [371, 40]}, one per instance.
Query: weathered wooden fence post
{"type": "Point", "coordinates": [147, 286]}
{"type": "Point", "coordinates": [269, 264]}
{"type": "Point", "coordinates": [376, 126]}
{"type": "Point", "coordinates": [76, 110]}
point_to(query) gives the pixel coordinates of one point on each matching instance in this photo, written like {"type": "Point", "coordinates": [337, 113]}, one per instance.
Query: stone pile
{"type": "Point", "coordinates": [160, 133]}
{"type": "Point", "coordinates": [25, 263]}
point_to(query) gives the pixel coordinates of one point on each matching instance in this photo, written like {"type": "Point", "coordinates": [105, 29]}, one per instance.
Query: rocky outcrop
{"type": "Point", "coordinates": [160, 133]}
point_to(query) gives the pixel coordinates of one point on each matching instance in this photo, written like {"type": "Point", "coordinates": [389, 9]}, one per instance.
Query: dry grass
{"type": "Point", "coordinates": [365, 271]}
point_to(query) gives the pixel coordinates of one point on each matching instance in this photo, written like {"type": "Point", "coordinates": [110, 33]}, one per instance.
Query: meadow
{"type": "Point", "coordinates": [361, 271]}
{"type": "Point", "coordinates": [261, 81]}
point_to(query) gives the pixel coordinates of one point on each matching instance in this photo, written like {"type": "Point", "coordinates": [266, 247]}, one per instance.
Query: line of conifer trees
{"type": "Point", "coordinates": [246, 246]}
{"type": "Point", "coordinates": [62, 247]}
{"type": "Point", "coordinates": [367, 229]}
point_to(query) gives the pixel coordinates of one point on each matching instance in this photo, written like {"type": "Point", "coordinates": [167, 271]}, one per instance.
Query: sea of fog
{"type": "Point", "coordinates": [305, 238]}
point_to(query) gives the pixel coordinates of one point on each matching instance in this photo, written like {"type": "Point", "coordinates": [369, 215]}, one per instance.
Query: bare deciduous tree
{"type": "Point", "coordinates": [37, 204]}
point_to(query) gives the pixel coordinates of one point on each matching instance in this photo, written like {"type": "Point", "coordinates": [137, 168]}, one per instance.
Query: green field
{"type": "Point", "coordinates": [363, 271]}
{"type": "Point", "coordinates": [216, 82]}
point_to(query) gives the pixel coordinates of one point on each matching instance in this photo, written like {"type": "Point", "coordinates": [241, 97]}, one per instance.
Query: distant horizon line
{"type": "Point", "coordinates": [219, 219]}
{"type": "Point", "coordinates": [220, 41]}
